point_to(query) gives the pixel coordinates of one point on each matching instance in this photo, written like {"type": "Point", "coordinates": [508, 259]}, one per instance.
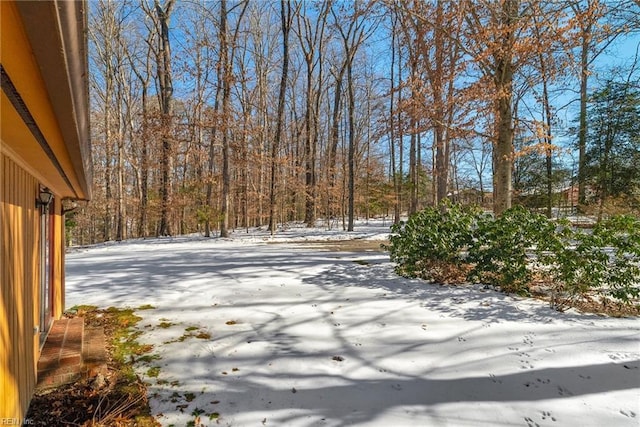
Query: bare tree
{"type": "Point", "coordinates": [227, 50]}
{"type": "Point", "coordinates": [311, 37]}
{"type": "Point", "coordinates": [353, 33]}
{"type": "Point", "coordinates": [286, 19]}
{"type": "Point", "coordinates": [595, 22]}
{"type": "Point", "coordinates": [161, 16]}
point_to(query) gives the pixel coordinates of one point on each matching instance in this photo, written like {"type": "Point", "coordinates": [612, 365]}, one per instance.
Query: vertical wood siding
{"type": "Point", "coordinates": [19, 273]}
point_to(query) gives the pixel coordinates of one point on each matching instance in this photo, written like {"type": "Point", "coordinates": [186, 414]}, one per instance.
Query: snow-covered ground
{"type": "Point", "coordinates": [252, 333]}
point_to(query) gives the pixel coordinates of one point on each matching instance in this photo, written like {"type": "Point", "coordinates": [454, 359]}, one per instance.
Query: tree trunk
{"type": "Point", "coordinates": [285, 16]}
{"type": "Point", "coordinates": [334, 139]}
{"type": "Point", "coordinates": [582, 129]}
{"type": "Point", "coordinates": [166, 100]}
{"type": "Point", "coordinates": [310, 190]}
{"type": "Point", "coordinates": [392, 124]}
{"type": "Point", "coordinates": [352, 145]}
{"type": "Point", "coordinates": [503, 80]}
{"type": "Point", "coordinates": [226, 92]}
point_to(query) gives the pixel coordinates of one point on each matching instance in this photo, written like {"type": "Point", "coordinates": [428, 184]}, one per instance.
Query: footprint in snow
{"type": "Point", "coordinates": [494, 379]}
{"type": "Point", "coordinates": [525, 364]}
{"type": "Point", "coordinates": [397, 387]}
{"type": "Point", "coordinates": [547, 414]}
{"type": "Point", "coordinates": [629, 413]}
{"type": "Point", "coordinates": [530, 422]}
{"type": "Point", "coordinates": [461, 339]}
{"type": "Point", "coordinates": [564, 392]}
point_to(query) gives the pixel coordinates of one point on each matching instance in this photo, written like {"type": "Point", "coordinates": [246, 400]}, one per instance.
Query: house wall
{"type": "Point", "coordinates": [19, 311]}
{"type": "Point", "coordinates": [43, 142]}
{"type": "Point", "coordinates": [20, 284]}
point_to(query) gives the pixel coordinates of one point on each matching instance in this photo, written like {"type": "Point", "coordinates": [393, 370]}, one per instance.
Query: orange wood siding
{"type": "Point", "coordinates": [19, 272]}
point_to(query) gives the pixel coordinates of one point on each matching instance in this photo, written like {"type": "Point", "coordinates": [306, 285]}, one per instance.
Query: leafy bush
{"type": "Point", "coordinates": [623, 235]}
{"type": "Point", "coordinates": [430, 244]}
{"type": "Point", "coordinates": [579, 266]}
{"type": "Point", "coordinates": [606, 260]}
{"type": "Point", "coordinates": [500, 250]}
{"type": "Point", "coordinates": [452, 243]}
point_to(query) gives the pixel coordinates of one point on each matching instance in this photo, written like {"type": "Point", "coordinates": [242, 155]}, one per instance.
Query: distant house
{"type": "Point", "coordinates": [569, 195]}
{"type": "Point", "coordinates": [44, 161]}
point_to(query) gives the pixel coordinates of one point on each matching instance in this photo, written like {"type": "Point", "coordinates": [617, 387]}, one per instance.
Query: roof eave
{"type": "Point", "coordinates": [64, 69]}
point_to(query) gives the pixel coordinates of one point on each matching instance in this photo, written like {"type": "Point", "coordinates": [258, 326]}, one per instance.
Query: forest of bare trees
{"type": "Point", "coordinates": [212, 116]}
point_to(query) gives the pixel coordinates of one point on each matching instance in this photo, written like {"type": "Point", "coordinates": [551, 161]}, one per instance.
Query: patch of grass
{"type": "Point", "coordinates": [124, 341]}
{"type": "Point", "coordinates": [189, 396]}
{"type": "Point", "coordinates": [148, 358]}
{"type": "Point", "coordinates": [165, 325]}
{"type": "Point", "coordinates": [361, 262]}
{"type": "Point", "coordinates": [146, 307]}
{"type": "Point", "coordinates": [203, 335]}
{"type": "Point", "coordinates": [83, 307]}
{"type": "Point", "coordinates": [190, 333]}
{"type": "Point", "coordinates": [213, 415]}
{"type": "Point", "coordinates": [153, 372]}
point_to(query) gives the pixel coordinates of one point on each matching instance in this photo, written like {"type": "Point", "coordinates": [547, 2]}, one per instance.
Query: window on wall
{"type": "Point", "coordinates": [46, 289]}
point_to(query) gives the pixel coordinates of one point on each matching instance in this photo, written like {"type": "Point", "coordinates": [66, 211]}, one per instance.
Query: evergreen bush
{"type": "Point", "coordinates": [430, 244]}
{"type": "Point", "coordinates": [504, 248]}
{"type": "Point", "coordinates": [453, 243]}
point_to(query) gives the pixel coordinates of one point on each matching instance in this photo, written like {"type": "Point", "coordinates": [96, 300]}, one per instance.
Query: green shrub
{"type": "Point", "coordinates": [452, 243]}
{"type": "Point", "coordinates": [579, 266]}
{"type": "Point", "coordinates": [430, 244]}
{"type": "Point", "coordinates": [623, 235]}
{"type": "Point", "coordinates": [606, 260]}
{"type": "Point", "coordinates": [503, 249]}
